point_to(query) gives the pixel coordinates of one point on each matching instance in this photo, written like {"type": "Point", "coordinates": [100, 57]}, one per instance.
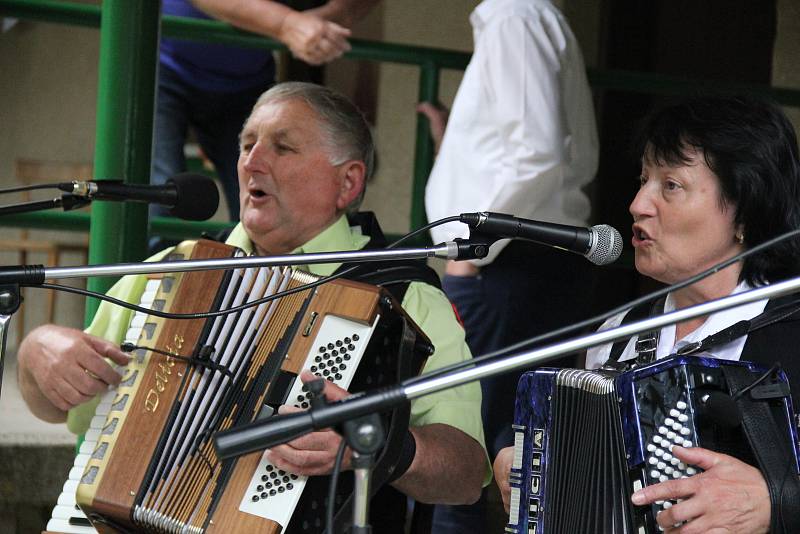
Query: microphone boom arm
{"type": "Point", "coordinates": [280, 429]}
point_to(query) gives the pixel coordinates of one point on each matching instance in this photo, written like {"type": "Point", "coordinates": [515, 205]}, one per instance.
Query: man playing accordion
{"type": "Point", "coordinates": [306, 153]}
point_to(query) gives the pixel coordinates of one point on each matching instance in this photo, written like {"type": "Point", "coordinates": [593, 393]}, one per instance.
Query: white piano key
{"type": "Point", "coordinates": [87, 447]}
{"type": "Point", "coordinates": [60, 525]}
{"type": "Point", "coordinates": [66, 499]}
{"type": "Point", "coordinates": [93, 434]}
{"type": "Point", "coordinates": [65, 512]}
{"type": "Point", "coordinates": [76, 472]}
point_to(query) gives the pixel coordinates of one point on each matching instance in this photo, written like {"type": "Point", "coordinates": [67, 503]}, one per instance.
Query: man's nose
{"type": "Point", "coordinates": [255, 159]}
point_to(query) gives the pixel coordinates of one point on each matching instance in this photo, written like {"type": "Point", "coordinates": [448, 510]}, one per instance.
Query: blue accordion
{"type": "Point", "coordinates": [586, 440]}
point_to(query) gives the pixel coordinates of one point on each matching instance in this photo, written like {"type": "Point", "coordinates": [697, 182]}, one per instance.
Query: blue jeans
{"type": "Point", "coordinates": [529, 289]}
{"type": "Point", "coordinates": [215, 118]}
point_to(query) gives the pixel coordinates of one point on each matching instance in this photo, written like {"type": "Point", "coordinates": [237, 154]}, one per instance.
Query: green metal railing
{"type": "Point", "coordinates": [127, 69]}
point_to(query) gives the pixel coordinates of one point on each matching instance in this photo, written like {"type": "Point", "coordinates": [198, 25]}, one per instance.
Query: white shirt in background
{"type": "Point", "coordinates": [521, 138]}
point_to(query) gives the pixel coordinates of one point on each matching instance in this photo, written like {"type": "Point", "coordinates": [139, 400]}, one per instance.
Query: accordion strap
{"type": "Point", "coordinates": [646, 343]}
{"type": "Point", "coordinates": [742, 328]}
{"type": "Point", "coordinates": [775, 460]}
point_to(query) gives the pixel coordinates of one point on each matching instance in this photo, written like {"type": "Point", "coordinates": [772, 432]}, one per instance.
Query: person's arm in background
{"type": "Point", "coordinates": [344, 12]}
{"type": "Point", "coordinates": [309, 36]}
{"type": "Point", "coordinates": [437, 115]}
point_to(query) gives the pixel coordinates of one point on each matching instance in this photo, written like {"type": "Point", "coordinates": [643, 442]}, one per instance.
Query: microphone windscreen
{"type": "Point", "coordinates": [197, 197]}
{"type": "Point", "coordinates": [606, 245]}
{"type": "Point", "coordinates": [722, 409]}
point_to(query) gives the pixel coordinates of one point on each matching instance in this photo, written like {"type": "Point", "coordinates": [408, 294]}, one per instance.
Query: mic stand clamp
{"type": "Point", "coordinates": [475, 247]}
{"type": "Point", "coordinates": [365, 436]}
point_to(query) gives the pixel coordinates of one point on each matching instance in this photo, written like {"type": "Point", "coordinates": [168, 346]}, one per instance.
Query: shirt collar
{"type": "Point", "coordinates": [715, 322]}
{"type": "Point", "coordinates": [488, 8]}
{"type": "Point", "coordinates": [481, 15]}
{"type": "Point", "coordinates": [338, 236]}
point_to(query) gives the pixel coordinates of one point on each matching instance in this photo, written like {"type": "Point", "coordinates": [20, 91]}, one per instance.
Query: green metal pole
{"type": "Point", "coordinates": [126, 94]}
{"type": "Point", "coordinates": [424, 150]}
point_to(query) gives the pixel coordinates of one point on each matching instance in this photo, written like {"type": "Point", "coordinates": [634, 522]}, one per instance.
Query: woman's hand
{"type": "Point", "coordinates": [729, 496]}
{"type": "Point", "coordinates": [502, 471]}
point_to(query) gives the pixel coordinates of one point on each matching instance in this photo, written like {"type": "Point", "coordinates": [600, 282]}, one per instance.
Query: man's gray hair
{"type": "Point", "coordinates": [348, 134]}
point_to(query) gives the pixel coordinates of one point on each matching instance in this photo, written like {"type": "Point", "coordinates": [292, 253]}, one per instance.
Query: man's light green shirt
{"type": "Point", "coordinates": [426, 305]}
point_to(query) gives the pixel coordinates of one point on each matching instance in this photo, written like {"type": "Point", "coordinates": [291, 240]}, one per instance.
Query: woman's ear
{"type": "Point", "coordinates": [739, 235]}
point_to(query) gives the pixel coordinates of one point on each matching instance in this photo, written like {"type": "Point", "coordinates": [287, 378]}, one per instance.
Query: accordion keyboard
{"type": "Point", "coordinates": [67, 517]}
{"type": "Point", "coordinates": [674, 429]}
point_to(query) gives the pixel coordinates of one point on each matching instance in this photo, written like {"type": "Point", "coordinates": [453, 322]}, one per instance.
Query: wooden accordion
{"type": "Point", "coordinates": [149, 465]}
{"type": "Point", "coordinates": [586, 440]}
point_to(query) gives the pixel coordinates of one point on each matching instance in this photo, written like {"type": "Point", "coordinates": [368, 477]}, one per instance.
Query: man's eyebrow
{"type": "Point", "coordinates": [282, 135]}
{"type": "Point", "coordinates": [246, 133]}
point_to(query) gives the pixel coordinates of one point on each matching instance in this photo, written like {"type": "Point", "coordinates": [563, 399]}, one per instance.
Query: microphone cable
{"type": "Point", "coordinates": [332, 484]}
{"type": "Point", "coordinates": [33, 187]}
{"type": "Point", "coordinates": [235, 309]}
{"type": "Point", "coordinates": [569, 329]}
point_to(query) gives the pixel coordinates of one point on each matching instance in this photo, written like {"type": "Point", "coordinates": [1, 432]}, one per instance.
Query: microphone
{"type": "Point", "coordinates": [601, 244]}
{"type": "Point", "coordinates": [190, 196]}
{"type": "Point", "coordinates": [721, 409]}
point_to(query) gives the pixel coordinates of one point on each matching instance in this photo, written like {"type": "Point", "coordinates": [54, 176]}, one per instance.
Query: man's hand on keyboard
{"type": "Point", "coordinates": [60, 368]}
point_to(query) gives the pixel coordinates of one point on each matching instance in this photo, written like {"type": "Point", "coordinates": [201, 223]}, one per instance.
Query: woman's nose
{"type": "Point", "coordinates": [642, 204]}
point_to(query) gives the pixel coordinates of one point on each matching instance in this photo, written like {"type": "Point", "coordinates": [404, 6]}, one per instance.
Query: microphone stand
{"type": "Point", "coordinates": [265, 434]}
{"type": "Point", "coordinates": [66, 201]}
{"type": "Point", "coordinates": [12, 278]}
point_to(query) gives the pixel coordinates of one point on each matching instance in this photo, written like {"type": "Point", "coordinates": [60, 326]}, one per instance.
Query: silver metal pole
{"type": "Point", "coordinates": [535, 357]}
{"type": "Point", "coordinates": [448, 250]}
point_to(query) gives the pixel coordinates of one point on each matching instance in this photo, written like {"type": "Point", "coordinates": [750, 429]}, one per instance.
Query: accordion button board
{"type": "Point", "coordinates": [272, 493]}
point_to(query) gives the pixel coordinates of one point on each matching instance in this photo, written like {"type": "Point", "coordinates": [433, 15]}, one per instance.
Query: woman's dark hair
{"type": "Point", "coordinates": [751, 146]}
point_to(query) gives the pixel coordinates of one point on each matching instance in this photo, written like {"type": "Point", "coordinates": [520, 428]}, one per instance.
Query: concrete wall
{"type": "Point", "coordinates": [785, 68]}
{"type": "Point", "coordinates": [48, 93]}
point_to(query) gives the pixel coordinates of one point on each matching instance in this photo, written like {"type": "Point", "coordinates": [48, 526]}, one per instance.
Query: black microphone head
{"type": "Point", "coordinates": [606, 244]}
{"type": "Point", "coordinates": [197, 197]}
{"type": "Point", "coordinates": [721, 409]}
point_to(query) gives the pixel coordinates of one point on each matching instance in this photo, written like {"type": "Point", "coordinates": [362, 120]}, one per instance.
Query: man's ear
{"type": "Point", "coordinates": [353, 177]}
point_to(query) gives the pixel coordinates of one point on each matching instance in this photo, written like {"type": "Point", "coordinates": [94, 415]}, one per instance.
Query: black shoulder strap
{"type": "Point", "coordinates": [395, 276]}
{"type": "Point", "coordinates": [772, 314]}
{"type": "Point", "coordinates": [220, 235]}
{"type": "Point", "coordinates": [773, 452]}
{"type": "Point", "coordinates": [647, 342]}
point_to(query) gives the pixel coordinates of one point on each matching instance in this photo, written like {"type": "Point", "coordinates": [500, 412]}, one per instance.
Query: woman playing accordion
{"type": "Point", "coordinates": [719, 175]}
